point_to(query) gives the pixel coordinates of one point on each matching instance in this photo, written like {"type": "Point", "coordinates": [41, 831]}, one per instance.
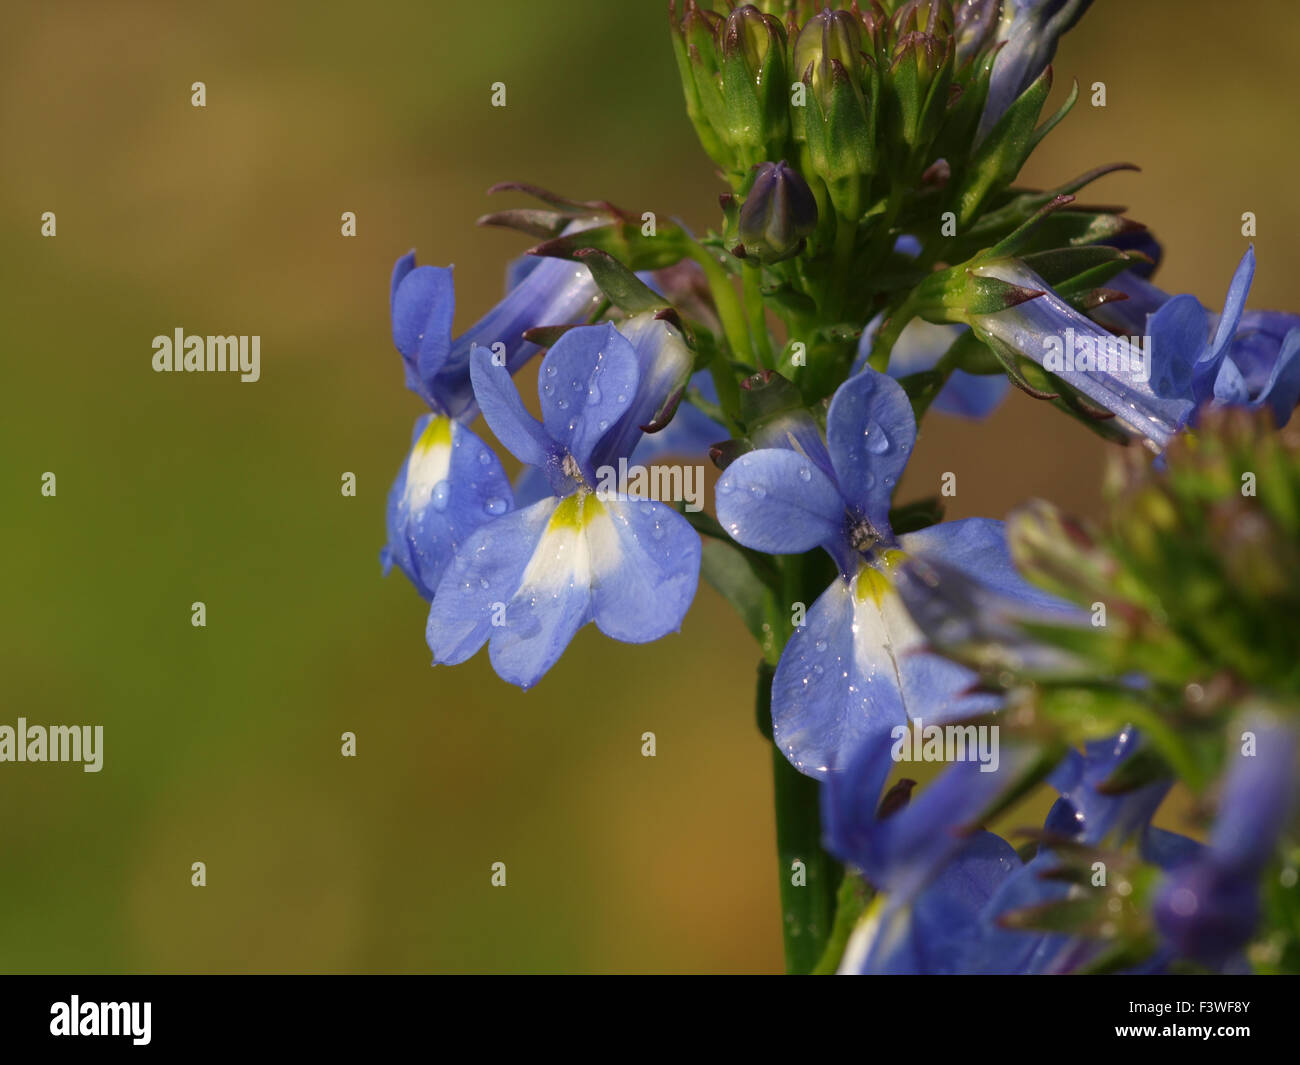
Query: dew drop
{"type": "Point", "coordinates": [495, 505]}
{"type": "Point", "coordinates": [441, 491]}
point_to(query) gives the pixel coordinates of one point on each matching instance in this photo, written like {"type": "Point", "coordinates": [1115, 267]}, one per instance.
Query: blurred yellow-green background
{"type": "Point", "coordinates": [222, 743]}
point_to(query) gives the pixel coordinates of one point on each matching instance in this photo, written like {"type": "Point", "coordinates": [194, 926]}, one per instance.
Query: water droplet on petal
{"type": "Point", "coordinates": [495, 505]}
{"type": "Point", "coordinates": [805, 474]}
{"type": "Point", "coordinates": [441, 491]}
{"type": "Point", "coordinates": [877, 439]}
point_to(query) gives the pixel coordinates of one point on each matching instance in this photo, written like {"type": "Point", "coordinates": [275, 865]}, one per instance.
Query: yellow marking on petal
{"type": "Point", "coordinates": [429, 463]}
{"type": "Point", "coordinates": [576, 511]}
{"type": "Point", "coordinates": [874, 584]}
{"type": "Point", "coordinates": [891, 557]}
{"type": "Point", "coordinates": [436, 434]}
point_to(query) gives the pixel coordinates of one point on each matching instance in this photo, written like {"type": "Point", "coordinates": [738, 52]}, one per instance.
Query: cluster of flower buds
{"type": "Point", "coordinates": [888, 100]}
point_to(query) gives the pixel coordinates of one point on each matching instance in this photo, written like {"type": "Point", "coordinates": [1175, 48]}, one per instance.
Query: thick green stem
{"type": "Point", "coordinates": [809, 877]}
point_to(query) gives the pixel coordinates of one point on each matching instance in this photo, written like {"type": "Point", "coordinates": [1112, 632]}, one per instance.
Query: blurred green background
{"type": "Point", "coordinates": [222, 743]}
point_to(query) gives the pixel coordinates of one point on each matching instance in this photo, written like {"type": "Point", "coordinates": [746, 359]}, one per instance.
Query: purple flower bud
{"type": "Point", "coordinates": [778, 214]}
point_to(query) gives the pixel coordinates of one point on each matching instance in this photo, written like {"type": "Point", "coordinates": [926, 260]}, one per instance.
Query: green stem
{"type": "Point", "coordinates": [808, 889]}
{"type": "Point", "coordinates": [730, 312]}
{"type": "Point", "coordinates": [888, 334]}
{"type": "Point", "coordinates": [732, 317]}
{"type": "Point", "coordinates": [758, 331]}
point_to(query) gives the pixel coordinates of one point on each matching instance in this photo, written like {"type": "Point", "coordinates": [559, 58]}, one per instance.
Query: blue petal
{"type": "Point", "coordinates": [645, 564]}
{"type": "Point", "coordinates": [663, 369]}
{"type": "Point", "coordinates": [1137, 404]}
{"type": "Point", "coordinates": [1233, 306]}
{"type": "Point", "coordinates": [919, 346]}
{"type": "Point", "coordinates": [520, 268]}
{"type": "Point", "coordinates": [504, 410]}
{"type": "Point", "coordinates": [778, 501]}
{"type": "Point", "coordinates": [483, 576]}
{"type": "Point", "coordinates": [531, 485]}
{"type": "Point", "coordinates": [450, 485]}
{"type": "Point", "coordinates": [831, 693]}
{"type": "Point", "coordinates": [870, 430]}
{"type": "Point", "coordinates": [423, 301]}
{"type": "Point", "coordinates": [552, 601]}
{"type": "Point", "coordinates": [401, 268]}
{"type": "Point", "coordinates": [555, 292]}
{"type": "Point", "coordinates": [1258, 796]}
{"type": "Point", "coordinates": [587, 382]}
{"type": "Point", "coordinates": [1129, 316]}
{"type": "Point", "coordinates": [978, 546]}
{"type": "Point", "coordinates": [972, 395]}
{"type": "Point", "coordinates": [1169, 850]}
{"type": "Point", "coordinates": [797, 431]}
{"type": "Point", "coordinates": [1282, 390]}
{"type": "Point", "coordinates": [934, 933]}
{"type": "Point", "coordinates": [1178, 333]}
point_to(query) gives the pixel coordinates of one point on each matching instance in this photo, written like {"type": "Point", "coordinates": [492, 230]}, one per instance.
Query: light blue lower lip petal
{"type": "Point", "coordinates": [645, 565]}
{"type": "Point", "coordinates": [552, 600]}
{"type": "Point", "coordinates": [484, 572]}
{"type": "Point", "coordinates": [450, 484]}
{"type": "Point", "coordinates": [830, 694]}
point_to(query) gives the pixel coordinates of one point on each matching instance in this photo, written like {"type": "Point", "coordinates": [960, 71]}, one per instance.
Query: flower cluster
{"type": "Point", "coordinates": [875, 259]}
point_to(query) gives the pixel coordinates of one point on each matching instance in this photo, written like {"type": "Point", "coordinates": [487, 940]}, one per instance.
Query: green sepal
{"type": "Point", "coordinates": [622, 287]}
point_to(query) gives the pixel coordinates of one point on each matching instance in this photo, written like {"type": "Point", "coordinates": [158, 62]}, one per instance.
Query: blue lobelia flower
{"type": "Point", "coordinates": [859, 665]}
{"type": "Point", "coordinates": [451, 483]}
{"type": "Point", "coordinates": [1240, 358]}
{"type": "Point", "coordinates": [944, 886]}
{"type": "Point", "coordinates": [1028, 32]}
{"type": "Point", "coordinates": [528, 581]}
{"type": "Point", "coordinates": [1208, 907]}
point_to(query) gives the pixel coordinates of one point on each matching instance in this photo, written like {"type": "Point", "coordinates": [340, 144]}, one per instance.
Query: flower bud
{"type": "Point", "coordinates": [754, 84]}
{"type": "Point", "coordinates": [779, 213]}
{"type": "Point", "coordinates": [836, 125]}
